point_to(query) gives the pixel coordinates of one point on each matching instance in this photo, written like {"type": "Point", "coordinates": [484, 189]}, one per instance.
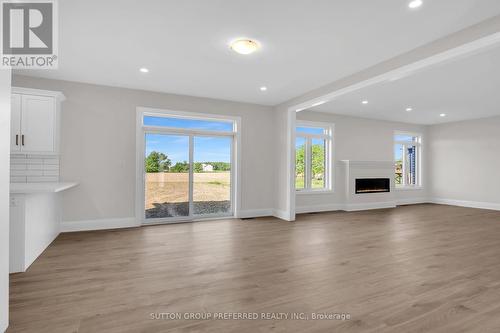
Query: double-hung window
{"type": "Point", "coordinates": [313, 157]}
{"type": "Point", "coordinates": [407, 159]}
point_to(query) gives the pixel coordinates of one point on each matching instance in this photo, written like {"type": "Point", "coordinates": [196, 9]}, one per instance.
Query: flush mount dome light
{"type": "Point", "coordinates": [415, 4]}
{"type": "Point", "coordinates": [244, 46]}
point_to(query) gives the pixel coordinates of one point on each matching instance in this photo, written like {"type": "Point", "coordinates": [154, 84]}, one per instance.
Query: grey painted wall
{"type": "Point", "coordinates": [98, 145]}
{"type": "Point", "coordinates": [466, 160]}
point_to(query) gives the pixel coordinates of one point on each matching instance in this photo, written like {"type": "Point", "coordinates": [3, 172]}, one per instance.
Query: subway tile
{"type": "Point", "coordinates": [18, 166]}
{"type": "Point", "coordinates": [42, 179]}
{"type": "Point", "coordinates": [41, 156]}
{"type": "Point", "coordinates": [35, 167]}
{"type": "Point", "coordinates": [51, 161]}
{"type": "Point", "coordinates": [18, 179]}
{"type": "Point", "coordinates": [18, 161]}
{"type": "Point", "coordinates": [18, 172]}
{"type": "Point", "coordinates": [51, 167]}
{"type": "Point", "coordinates": [51, 172]}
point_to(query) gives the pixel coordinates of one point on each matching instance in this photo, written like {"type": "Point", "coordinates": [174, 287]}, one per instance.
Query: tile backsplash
{"type": "Point", "coordinates": [25, 168]}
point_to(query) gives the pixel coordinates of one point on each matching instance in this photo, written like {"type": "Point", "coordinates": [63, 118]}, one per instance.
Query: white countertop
{"type": "Point", "coordinates": [26, 188]}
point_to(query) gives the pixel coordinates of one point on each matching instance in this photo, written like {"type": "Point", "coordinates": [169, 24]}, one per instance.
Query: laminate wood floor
{"type": "Point", "coordinates": [421, 268]}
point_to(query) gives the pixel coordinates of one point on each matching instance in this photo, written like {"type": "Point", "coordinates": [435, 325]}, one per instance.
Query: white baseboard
{"type": "Point", "coordinates": [102, 224]}
{"type": "Point", "coordinates": [249, 213]}
{"type": "Point", "coordinates": [281, 214]}
{"type": "Point", "coordinates": [412, 201]}
{"type": "Point", "coordinates": [356, 207]}
{"type": "Point", "coordinates": [319, 208]}
{"type": "Point", "coordinates": [369, 206]}
{"type": "Point", "coordinates": [468, 204]}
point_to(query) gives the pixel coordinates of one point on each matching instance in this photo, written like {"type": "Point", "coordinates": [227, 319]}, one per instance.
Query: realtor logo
{"type": "Point", "coordinates": [29, 34]}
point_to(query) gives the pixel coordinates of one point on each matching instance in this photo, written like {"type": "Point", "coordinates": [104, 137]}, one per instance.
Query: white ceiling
{"type": "Point", "coordinates": [463, 89]}
{"type": "Point", "coordinates": [305, 44]}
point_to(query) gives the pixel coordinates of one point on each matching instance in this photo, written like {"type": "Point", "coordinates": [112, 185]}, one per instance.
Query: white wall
{"type": "Point", "coordinates": [5, 78]}
{"type": "Point", "coordinates": [465, 163]}
{"type": "Point", "coordinates": [360, 140]}
{"type": "Point", "coordinates": [98, 145]}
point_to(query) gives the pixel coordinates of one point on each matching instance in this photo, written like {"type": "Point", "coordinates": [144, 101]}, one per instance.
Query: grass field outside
{"type": "Point", "coordinates": [167, 194]}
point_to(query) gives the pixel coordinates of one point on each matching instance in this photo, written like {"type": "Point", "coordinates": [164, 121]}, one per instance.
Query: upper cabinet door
{"type": "Point", "coordinates": [15, 123]}
{"type": "Point", "coordinates": [38, 124]}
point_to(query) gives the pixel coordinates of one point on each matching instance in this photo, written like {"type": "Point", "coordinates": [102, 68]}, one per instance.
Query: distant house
{"type": "Point", "coordinates": [207, 167]}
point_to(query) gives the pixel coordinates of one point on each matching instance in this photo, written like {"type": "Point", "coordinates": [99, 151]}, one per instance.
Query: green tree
{"type": "Point", "coordinates": [198, 167]}
{"type": "Point", "coordinates": [157, 162]}
{"type": "Point", "coordinates": [180, 167]}
{"type": "Point", "coordinates": [300, 160]}
{"type": "Point", "coordinates": [318, 160]}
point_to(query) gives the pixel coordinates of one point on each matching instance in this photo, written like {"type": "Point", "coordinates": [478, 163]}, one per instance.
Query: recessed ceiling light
{"type": "Point", "coordinates": [144, 70]}
{"type": "Point", "coordinates": [415, 4]}
{"type": "Point", "coordinates": [244, 46]}
{"type": "Point", "coordinates": [263, 88]}
{"type": "Point", "coordinates": [442, 115]}
{"type": "Point", "coordinates": [318, 103]}
{"type": "Point", "coordinates": [364, 102]}
{"type": "Point", "coordinates": [409, 109]}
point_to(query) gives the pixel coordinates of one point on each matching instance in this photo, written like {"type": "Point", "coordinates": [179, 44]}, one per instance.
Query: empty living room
{"type": "Point", "coordinates": [249, 166]}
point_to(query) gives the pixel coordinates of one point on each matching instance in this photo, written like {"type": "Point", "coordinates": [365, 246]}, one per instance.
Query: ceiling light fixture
{"type": "Point", "coordinates": [364, 102]}
{"type": "Point", "coordinates": [442, 115]}
{"type": "Point", "coordinates": [318, 103]}
{"type": "Point", "coordinates": [415, 4]}
{"type": "Point", "coordinates": [263, 88]}
{"type": "Point", "coordinates": [144, 70]}
{"type": "Point", "coordinates": [244, 46]}
{"type": "Point", "coordinates": [409, 109]}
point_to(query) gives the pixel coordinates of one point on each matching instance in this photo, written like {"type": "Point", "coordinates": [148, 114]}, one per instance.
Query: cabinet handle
{"type": "Point", "coordinates": [17, 139]}
{"type": "Point", "coordinates": [22, 139]}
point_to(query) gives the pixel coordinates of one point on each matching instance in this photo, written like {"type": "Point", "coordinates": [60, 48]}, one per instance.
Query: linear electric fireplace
{"type": "Point", "coordinates": [373, 185]}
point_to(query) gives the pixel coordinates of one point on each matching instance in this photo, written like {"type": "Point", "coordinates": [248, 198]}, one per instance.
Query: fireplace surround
{"type": "Point", "coordinates": [368, 185]}
{"type": "Point", "coordinates": [372, 185]}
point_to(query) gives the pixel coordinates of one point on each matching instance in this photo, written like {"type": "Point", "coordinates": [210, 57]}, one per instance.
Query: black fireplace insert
{"type": "Point", "coordinates": [373, 185]}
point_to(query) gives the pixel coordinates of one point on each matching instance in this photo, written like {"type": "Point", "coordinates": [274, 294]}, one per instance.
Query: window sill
{"type": "Point", "coordinates": [409, 188]}
{"type": "Point", "coordinates": [312, 192]}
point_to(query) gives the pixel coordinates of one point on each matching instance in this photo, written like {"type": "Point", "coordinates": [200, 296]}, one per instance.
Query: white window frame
{"type": "Point", "coordinates": [328, 136]}
{"type": "Point", "coordinates": [418, 144]}
{"type": "Point", "coordinates": [142, 129]}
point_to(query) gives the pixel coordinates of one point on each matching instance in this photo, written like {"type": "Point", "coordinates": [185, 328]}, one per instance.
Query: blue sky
{"type": "Point", "coordinates": [223, 126]}
{"type": "Point", "coordinates": [398, 152]}
{"type": "Point", "coordinates": [176, 147]}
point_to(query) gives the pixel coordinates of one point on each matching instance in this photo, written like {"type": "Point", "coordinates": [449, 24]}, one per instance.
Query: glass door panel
{"type": "Point", "coordinates": [166, 175]}
{"type": "Point", "coordinates": [212, 175]}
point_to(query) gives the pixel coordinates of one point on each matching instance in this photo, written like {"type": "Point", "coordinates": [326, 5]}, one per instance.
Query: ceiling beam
{"type": "Point", "coordinates": [466, 42]}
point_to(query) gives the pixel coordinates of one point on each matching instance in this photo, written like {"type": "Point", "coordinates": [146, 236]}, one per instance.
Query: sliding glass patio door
{"type": "Point", "coordinates": [187, 176]}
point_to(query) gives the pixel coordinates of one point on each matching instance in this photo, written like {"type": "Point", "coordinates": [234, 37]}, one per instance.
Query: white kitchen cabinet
{"type": "Point", "coordinates": [15, 122]}
{"type": "Point", "coordinates": [35, 121]}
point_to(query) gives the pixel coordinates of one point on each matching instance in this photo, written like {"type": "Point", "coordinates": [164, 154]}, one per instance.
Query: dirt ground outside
{"type": "Point", "coordinates": [167, 194]}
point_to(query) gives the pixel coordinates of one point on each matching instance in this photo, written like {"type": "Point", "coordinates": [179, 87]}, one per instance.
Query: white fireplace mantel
{"type": "Point", "coordinates": [368, 169]}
